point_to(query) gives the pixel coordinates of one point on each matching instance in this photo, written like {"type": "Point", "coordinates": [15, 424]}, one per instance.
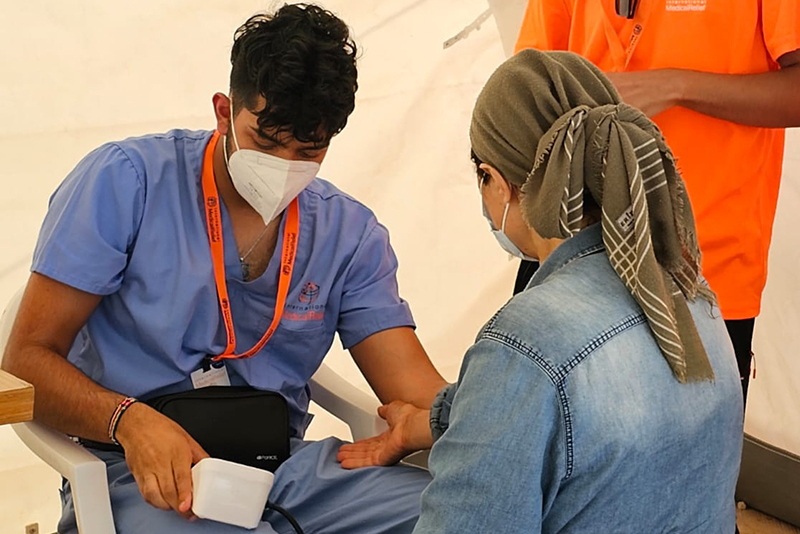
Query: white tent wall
{"type": "Point", "coordinates": [773, 404]}
{"type": "Point", "coordinates": [508, 15]}
{"type": "Point", "coordinates": [77, 75]}
{"type": "Point", "coordinates": [770, 475]}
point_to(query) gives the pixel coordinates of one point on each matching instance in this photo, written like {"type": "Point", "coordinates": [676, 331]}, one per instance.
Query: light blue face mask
{"type": "Point", "coordinates": [504, 241]}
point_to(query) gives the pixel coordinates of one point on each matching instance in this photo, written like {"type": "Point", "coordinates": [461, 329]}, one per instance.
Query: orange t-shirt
{"type": "Point", "coordinates": [732, 172]}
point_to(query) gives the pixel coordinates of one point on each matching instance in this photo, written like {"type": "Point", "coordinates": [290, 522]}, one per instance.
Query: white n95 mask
{"type": "Point", "coordinates": [502, 239]}
{"type": "Point", "coordinates": [267, 183]}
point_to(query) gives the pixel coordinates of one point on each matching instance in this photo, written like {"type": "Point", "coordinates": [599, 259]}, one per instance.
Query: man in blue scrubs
{"type": "Point", "coordinates": [124, 298]}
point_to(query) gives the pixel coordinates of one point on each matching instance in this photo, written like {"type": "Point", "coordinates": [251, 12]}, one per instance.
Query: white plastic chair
{"type": "Point", "coordinates": [87, 473]}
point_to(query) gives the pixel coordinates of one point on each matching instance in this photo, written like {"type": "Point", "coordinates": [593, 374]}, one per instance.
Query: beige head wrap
{"type": "Point", "coordinates": [553, 124]}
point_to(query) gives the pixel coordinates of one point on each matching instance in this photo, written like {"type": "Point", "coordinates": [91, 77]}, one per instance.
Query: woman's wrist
{"type": "Point", "coordinates": [418, 434]}
{"type": "Point", "coordinates": [439, 418]}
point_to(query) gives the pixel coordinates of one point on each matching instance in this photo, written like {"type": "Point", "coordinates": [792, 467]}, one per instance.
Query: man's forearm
{"type": "Point", "coordinates": [425, 393]}
{"type": "Point", "coordinates": [397, 367]}
{"type": "Point", "coordinates": [769, 100]}
{"type": "Point", "coordinates": [65, 398]}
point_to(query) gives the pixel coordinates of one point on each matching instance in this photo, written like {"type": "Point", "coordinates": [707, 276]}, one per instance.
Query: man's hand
{"type": "Point", "coordinates": [160, 454]}
{"type": "Point", "coordinates": [765, 100]}
{"type": "Point", "coordinates": [651, 91]}
{"type": "Point", "coordinates": [409, 431]}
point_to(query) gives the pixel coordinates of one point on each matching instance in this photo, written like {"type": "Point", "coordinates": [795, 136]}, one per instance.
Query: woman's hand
{"type": "Point", "coordinates": [409, 431]}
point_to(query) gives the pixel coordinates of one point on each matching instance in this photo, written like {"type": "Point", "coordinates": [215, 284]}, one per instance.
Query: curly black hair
{"type": "Point", "coordinates": [302, 60]}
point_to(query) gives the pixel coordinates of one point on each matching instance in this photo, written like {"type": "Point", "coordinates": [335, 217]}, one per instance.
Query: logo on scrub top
{"type": "Point", "coordinates": [309, 293]}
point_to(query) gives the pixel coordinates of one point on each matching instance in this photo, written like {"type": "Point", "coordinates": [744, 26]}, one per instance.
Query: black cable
{"type": "Point", "coordinates": [285, 514]}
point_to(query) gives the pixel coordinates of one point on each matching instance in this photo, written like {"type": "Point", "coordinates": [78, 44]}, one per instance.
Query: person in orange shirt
{"type": "Point", "coordinates": [721, 78]}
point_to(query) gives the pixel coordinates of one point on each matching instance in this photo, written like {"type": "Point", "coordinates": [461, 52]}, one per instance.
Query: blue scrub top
{"type": "Point", "coordinates": [128, 223]}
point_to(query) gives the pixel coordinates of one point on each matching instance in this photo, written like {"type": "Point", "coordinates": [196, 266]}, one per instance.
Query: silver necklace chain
{"type": "Point", "coordinates": [253, 246]}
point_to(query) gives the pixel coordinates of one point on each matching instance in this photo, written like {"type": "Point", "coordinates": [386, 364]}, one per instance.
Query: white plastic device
{"type": "Point", "coordinates": [229, 492]}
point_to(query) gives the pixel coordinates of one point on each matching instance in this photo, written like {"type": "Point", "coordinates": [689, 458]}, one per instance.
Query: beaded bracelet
{"type": "Point", "coordinates": [114, 422]}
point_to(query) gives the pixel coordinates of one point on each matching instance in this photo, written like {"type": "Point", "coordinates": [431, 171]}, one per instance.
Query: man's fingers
{"type": "Point", "coordinates": [183, 483]}
{"type": "Point", "coordinates": [152, 493]}
{"type": "Point", "coordinates": [166, 482]}
{"type": "Point", "coordinates": [160, 457]}
{"type": "Point", "coordinates": [189, 516]}
{"type": "Point", "coordinates": [197, 451]}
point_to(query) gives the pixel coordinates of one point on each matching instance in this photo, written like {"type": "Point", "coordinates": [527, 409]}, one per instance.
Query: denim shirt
{"type": "Point", "coordinates": [567, 419]}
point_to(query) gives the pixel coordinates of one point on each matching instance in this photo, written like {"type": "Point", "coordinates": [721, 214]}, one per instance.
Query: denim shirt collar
{"type": "Point", "coordinates": [586, 242]}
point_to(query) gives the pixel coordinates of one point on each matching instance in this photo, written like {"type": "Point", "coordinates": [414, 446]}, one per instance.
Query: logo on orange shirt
{"type": "Point", "coordinates": [686, 5]}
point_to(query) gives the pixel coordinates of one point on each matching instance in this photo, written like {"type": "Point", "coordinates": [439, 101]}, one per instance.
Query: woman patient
{"type": "Point", "coordinates": [605, 398]}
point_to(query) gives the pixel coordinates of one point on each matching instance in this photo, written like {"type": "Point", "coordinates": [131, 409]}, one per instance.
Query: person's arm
{"type": "Point", "coordinates": [500, 453]}
{"type": "Point", "coordinates": [49, 318]}
{"type": "Point", "coordinates": [159, 452]}
{"type": "Point", "coordinates": [397, 367]}
{"type": "Point", "coordinates": [82, 254]}
{"type": "Point", "coordinates": [766, 100]}
{"type": "Point", "coordinates": [376, 325]}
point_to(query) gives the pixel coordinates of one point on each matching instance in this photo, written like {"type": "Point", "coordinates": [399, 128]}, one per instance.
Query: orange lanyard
{"type": "Point", "coordinates": [619, 55]}
{"type": "Point", "coordinates": [288, 254]}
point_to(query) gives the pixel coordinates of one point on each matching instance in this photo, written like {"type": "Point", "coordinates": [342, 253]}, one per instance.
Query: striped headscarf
{"type": "Point", "coordinates": [553, 124]}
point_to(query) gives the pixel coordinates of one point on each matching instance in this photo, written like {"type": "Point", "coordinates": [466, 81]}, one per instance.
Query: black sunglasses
{"type": "Point", "coordinates": [626, 8]}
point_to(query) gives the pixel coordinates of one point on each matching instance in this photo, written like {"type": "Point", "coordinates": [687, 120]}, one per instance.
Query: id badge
{"type": "Point", "coordinates": [211, 374]}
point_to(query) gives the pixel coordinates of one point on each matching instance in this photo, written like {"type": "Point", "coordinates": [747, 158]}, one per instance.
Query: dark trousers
{"type": "Point", "coordinates": [741, 330]}
{"type": "Point", "coordinates": [741, 333]}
